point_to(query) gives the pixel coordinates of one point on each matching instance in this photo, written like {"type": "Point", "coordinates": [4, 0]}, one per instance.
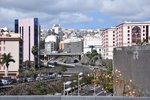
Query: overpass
{"type": "Point", "coordinates": [48, 97]}
{"type": "Point", "coordinates": [48, 56]}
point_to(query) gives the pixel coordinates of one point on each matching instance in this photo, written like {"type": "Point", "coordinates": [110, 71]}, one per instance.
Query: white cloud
{"type": "Point", "coordinates": [126, 9]}
{"type": "Point", "coordinates": [74, 18]}
{"type": "Point", "coordinates": [72, 11]}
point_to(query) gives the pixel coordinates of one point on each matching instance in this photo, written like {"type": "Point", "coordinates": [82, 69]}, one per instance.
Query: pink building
{"type": "Point", "coordinates": [132, 33]}
{"type": "Point", "coordinates": [125, 34]}
{"type": "Point", "coordinates": [108, 42]}
{"type": "Point", "coordinates": [29, 32]}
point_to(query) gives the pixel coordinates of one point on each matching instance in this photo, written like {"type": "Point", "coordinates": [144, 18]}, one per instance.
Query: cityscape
{"type": "Point", "coordinates": [60, 51]}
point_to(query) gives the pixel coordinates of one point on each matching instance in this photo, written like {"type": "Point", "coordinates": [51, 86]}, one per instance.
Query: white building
{"type": "Point", "coordinates": [51, 44]}
{"type": "Point", "coordinates": [125, 34]}
{"type": "Point", "coordinates": [57, 30]}
{"type": "Point", "coordinates": [92, 40]}
{"type": "Point", "coordinates": [9, 43]}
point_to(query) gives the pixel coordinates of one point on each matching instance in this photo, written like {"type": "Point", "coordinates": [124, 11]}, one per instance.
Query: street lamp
{"type": "Point", "coordinates": [94, 83]}
{"type": "Point", "coordinates": [68, 88]}
{"type": "Point", "coordinates": [79, 78]}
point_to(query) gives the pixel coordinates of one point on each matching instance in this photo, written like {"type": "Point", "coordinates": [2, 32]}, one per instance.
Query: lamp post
{"type": "Point", "coordinates": [68, 89]}
{"type": "Point", "coordinates": [94, 83]}
{"type": "Point", "coordinates": [79, 78]}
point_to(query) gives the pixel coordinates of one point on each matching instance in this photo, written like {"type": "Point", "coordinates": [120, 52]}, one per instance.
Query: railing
{"type": "Point", "coordinates": [48, 97]}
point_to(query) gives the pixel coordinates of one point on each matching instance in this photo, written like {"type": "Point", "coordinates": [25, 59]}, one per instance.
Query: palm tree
{"type": "Point", "coordinates": [35, 53]}
{"type": "Point", "coordinates": [6, 59]}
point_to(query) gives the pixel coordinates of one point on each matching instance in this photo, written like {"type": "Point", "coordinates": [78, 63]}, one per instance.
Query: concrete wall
{"type": "Point", "coordinates": [70, 98]}
{"type": "Point", "coordinates": [134, 64]}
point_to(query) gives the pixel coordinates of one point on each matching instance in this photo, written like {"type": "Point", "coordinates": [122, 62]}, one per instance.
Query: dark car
{"type": "Point", "coordinates": [1, 84]}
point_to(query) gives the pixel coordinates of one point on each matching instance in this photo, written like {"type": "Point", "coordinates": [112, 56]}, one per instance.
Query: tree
{"type": "Point", "coordinates": [6, 59]}
{"type": "Point", "coordinates": [35, 53]}
{"type": "Point", "coordinates": [94, 53]}
{"type": "Point", "coordinates": [88, 54]}
{"type": "Point", "coordinates": [42, 44]}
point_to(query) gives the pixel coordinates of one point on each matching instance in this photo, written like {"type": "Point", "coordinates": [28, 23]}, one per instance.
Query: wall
{"type": "Point", "coordinates": [70, 98]}
{"type": "Point", "coordinates": [134, 64]}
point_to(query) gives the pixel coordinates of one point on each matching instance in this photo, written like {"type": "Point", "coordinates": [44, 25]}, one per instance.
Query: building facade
{"type": "Point", "coordinates": [94, 40]}
{"type": "Point", "coordinates": [108, 42]}
{"type": "Point", "coordinates": [125, 34]}
{"type": "Point", "coordinates": [51, 44]}
{"type": "Point", "coordinates": [29, 31]}
{"type": "Point", "coordinates": [71, 45]}
{"type": "Point", "coordinates": [132, 33]}
{"type": "Point", "coordinates": [10, 43]}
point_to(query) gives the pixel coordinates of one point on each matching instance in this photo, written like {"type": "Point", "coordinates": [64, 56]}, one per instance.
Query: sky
{"type": "Point", "coordinates": [77, 14]}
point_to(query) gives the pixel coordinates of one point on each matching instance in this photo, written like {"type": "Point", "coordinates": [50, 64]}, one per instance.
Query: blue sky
{"type": "Point", "coordinates": [75, 13]}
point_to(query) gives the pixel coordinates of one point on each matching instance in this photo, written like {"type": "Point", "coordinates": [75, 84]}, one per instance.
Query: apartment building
{"type": "Point", "coordinates": [51, 44]}
{"type": "Point", "coordinates": [108, 42]}
{"type": "Point", "coordinates": [10, 43]}
{"type": "Point", "coordinates": [132, 33]}
{"type": "Point", "coordinates": [124, 34]}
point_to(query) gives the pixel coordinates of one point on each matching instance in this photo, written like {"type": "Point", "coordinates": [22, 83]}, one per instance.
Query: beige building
{"type": "Point", "coordinates": [9, 43]}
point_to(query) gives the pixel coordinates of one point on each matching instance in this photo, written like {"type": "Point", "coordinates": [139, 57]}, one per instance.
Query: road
{"type": "Point", "coordinates": [88, 90]}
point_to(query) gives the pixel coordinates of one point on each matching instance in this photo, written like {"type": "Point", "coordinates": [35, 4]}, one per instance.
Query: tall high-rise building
{"type": "Point", "coordinates": [29, 33]}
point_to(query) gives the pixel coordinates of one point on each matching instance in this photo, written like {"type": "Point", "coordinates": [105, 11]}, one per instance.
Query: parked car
{"type": "Point", "coordinates": [1, 84]}
{"type": "Point", "coordinates": [5, 82]}
{"type": "Point", "coordinates": [51, 64]}
{"type": "Point", "coordinates": [30, 79]}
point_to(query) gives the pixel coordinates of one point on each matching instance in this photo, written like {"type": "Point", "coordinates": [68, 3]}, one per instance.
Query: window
{"type": "Point", "coordinates": [143, 26]}
{"type": "Point", "coordinates": [0, 48]}
{"type": "Point", "coordinates": [143, 30]}
{"type": "Point", "coordinates": [128, 31]}
{"type": "Point", "coordinates": [4, 48]}
{"type": "Point", "coordinates": [4, 42]}
{"type": "Point", "coordinates": [128, 34]}
{"type": "Point", "coordinates": [128, 38]}
{"type": "Point", "coordinates": [113, 31]}
{"type": "Point", "coordinates": [136, 29]}
{"type": "Point", "coordinates": [136, 34]}
{"type": "Point", "coordinates": [143, 34]}
{"type": "Point", "coordinates": [128, 27]}
{"type": "Point", "coordinates": [128, 42]}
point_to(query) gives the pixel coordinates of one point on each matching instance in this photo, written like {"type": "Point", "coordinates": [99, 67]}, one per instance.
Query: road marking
{"type": "Point", "coordinates": [99, 93]}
